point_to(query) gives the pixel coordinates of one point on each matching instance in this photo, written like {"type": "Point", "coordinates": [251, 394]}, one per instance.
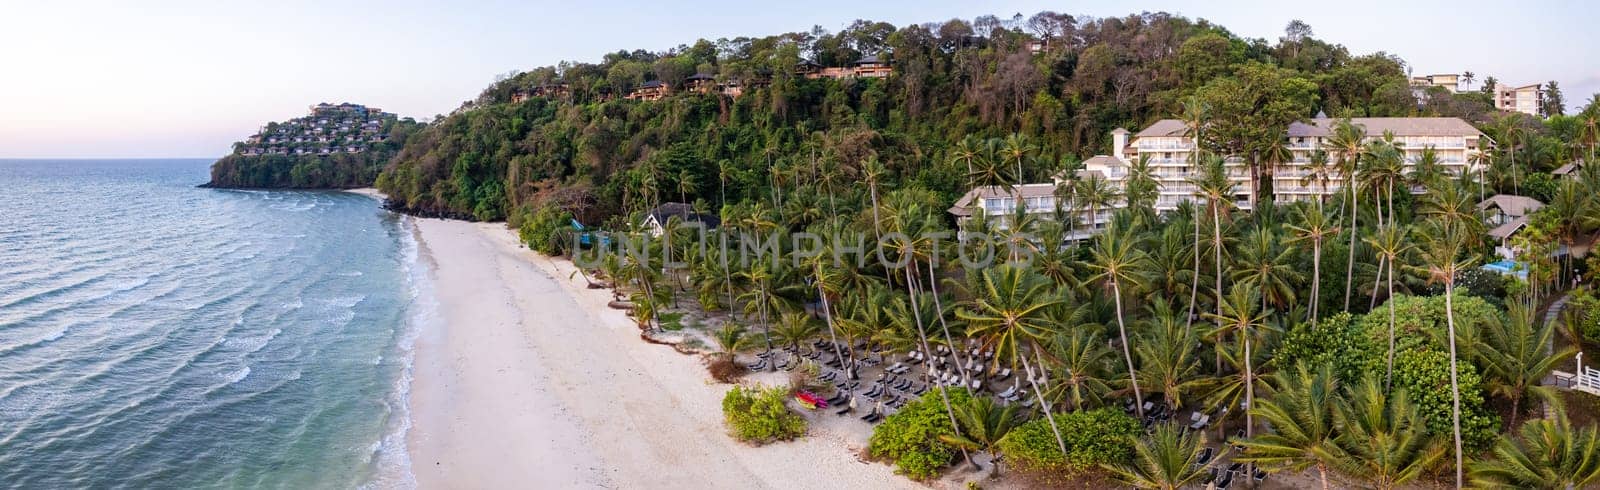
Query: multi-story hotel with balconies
{"type": "Point", "coordinates": [1169, 146]}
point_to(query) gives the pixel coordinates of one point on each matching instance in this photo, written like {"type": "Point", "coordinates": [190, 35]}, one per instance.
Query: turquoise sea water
{"type": "Point", "coordinates": [157, 335]}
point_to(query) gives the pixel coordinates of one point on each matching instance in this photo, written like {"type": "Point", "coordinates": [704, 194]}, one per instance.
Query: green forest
{"type": "Point", "coordinates": [314, 171]}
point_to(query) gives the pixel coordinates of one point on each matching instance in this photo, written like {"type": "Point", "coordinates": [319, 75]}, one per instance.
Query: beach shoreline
{"type": "Point", "coordinates": [527, 379]}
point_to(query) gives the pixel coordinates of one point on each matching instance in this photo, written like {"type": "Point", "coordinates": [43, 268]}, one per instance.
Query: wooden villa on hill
{"type": "Point", "coordinates": [868, 67]}
{"type": "Point", "coordinates": [700, 82]}
{"type": "Point", "coordinates": [651, 90]}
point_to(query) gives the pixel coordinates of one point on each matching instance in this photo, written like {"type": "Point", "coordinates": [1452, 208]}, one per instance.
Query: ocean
{"type": "Point", "coordinates": [155, 334]}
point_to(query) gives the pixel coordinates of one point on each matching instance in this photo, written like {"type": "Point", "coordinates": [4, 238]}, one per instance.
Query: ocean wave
{"type": "Point", "coordinates": [235, 376]}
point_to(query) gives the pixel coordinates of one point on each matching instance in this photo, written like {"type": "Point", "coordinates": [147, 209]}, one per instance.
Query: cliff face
{"type": "Point", "coordinates": [334, 146]}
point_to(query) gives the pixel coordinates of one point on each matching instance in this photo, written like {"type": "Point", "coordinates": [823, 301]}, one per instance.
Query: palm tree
{"type": "Point", "coordinates": [1269, 266]}
{"type": "Point", "coordinates": [730, 340]}
{"type": "Point", "coordinates": [1383, 438]}
{"type": "Point", "coordinates": [1427, 169]}
{"type": "Point", "coordinates": [1082, 355]}
{"type": "Point", "coordinates": [1018, 149]}
{"type": "Point", "coordinates": [1318, 172]}
{"type": "Point", "coordinates": [1167, 356]}
{"type": "Point", "coordinates": [1164, 461]}
{"type": "Point", "coordinates": [1095, 192]}
{"type": "Point", "coordinates": [795, 327]}
{"type": "Point", "coordinates": [983, 424]}
{"type": "Point", "coordinates": [1313, 225]}
{"type": "Point", "coordinates": [1551, 454]}
{"type": "Point", "coordinates": [1349, 140]}
{"type": "Point", "coordinates": [1301, 413]}
{"type": "Point", "coordinates": [966, 151]}
{"type": "Point", "coordinates": [1010, 313]}
{"type": "Point", "coordinates": [1515, 361]}
{"type": "Point", "coordinates": [1240, 313]}
{"type": "Point", "coordinates": [1442, 252]}
{"type": "Point", "coordinates": [1390, 242]}
{"type": "Point", "coordinates": [1119, 262]}
{"type": "Point", "coordinates": [1214, 186]}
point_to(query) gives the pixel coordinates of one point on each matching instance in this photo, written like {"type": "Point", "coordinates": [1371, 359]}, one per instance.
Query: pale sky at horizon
{"type": "Point", "coordinates": [107, 79]}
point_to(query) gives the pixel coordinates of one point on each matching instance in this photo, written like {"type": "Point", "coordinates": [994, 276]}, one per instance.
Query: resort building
{"type": "Point", "coordinates": [868, 67]}
{"type": "Point", "coordinates": [1526, 99]}
{"type": "Point", "coordinates": [651, 90]}
{"type": "Point", "coordinates": [655, 221]}
{"type": "Point", "coordinates": [700, 82]}
{"type": "Point", "coordinates": [1449, 81]}
{"type": "Point", "coordinates": [1169, 148]}
{"type": "Point", "coordinates": [325, 130]}
{"type": "Point", "coordinates": [1570, 170]}
{"type": "Point", "coordinates": [1506, 215]}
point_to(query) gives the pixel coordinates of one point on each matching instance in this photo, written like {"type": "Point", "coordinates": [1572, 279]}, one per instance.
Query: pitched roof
{"type": "Point", "coordinates": [974, 197]}
{"type": "Point", "coordinates": [1505, 231]}
{"type": "Point", "coordinates": [1164, 127]}
{"type": "Point", "coordinates": [872, 59]}
{"type": "Point", "coordinates": [700, 76]}
{"type": "Point", "coordinates": [1514, 206]}
{"type": "Point", "coordinates": [684, 212]}
{"type": "Point", "coordinates": [652, 84]}
{"type": "Point", "coordinates": [1571, 167]}
{"type": "Point", "coordinates": [1400, 126]}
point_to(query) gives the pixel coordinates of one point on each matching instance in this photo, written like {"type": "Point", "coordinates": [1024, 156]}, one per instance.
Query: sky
{"type": "Point", "coordinates": [117, 79]}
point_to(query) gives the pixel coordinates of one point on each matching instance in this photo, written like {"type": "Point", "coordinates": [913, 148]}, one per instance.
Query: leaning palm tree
{"type": "Point", "coordinates": [983, 424]}
{"type": "Point", "coordinates": [1442, 254]}
{"type": "Point", "coordinates": [1515, 360]}
{"type": "Point", "coordinates": [1010, 312]}
{"type": "Point", "coordinates": [1164, 461]}
{"type": "Point", "coordinates": [1551, 454]}
{"type": "Point", "coordinates": [1383, 439]}
{"type": "Point", "coordinates": [1119, 261]}
{"type": "Point", "coordinates": [1390, 243]}
{"type": "Point", "coordinates": [1313, 225]}
{"type": "Point", "coordinates": [1301, 413]}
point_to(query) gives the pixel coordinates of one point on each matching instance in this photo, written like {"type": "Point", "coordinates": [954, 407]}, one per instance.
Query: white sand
{"type": "Point", "coordinates": [529, 381]}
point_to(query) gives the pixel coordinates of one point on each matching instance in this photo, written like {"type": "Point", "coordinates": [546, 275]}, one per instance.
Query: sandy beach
{"type": "Point", "coordinates": [527, 380]}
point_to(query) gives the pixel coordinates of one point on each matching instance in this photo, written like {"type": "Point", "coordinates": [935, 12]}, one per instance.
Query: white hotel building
{"type": "Point", "coordinates": [1170, 149]}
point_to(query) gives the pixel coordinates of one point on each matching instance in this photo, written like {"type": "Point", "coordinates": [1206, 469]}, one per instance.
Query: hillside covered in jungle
{"type": "Point", "coordinates": [1054, 83]}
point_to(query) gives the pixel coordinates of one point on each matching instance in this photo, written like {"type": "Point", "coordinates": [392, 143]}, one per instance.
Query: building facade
{"type": "Point", "coordinates": [1449, 81]}
{"type": "Point", "coordinates": [1526, 99]}
{"type": "Point", "coordinates": [1169, 149]}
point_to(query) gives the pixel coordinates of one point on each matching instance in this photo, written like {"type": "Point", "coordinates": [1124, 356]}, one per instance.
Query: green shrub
{"type": "Point", "coordinates": [1338, 340]}
{"type": "Point", "coordinates": [1426, 375]}
{"type": "Point", "coordinates": [1093, 437]}
{"type": "Point", "coordinates": [758, 415]}
{"type": "Point", "coordinates": [910, 437]}
{"type": "Point", "coordinates": [546, 230]}
{"type": "Point", "coordinates": [1419, 321]}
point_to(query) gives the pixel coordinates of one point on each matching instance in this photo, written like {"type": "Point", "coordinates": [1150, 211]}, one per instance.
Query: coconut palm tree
{"type": "Point", "coordinates": [1216, 189]}
{"type": "Point", "coordinates": [1313, 225]}
{"type": "Point", "coordinates": [1017, 149]}
{"type": "Point", "coordinates": [1009, 311]}
{"type": "Point", "coordinates": [1442, 253]}
{"type": "Point", "coordinates": [1550, 454]}
{"type": "Point", "coordinates": [966, 151]}
{"type": "Point", "coordinates": [730, 340]}
{"type": "Point", "coordinates": [983, 424]}
{"type": "Point", "coordinates": [1302, 415]}
{"type": "Point", "coordinates": [1349, 140]}
{"type": "Point", "coordinates": [1168, 357]}
{"type": "Point", "coordinates": [1164, 461]}
{"type": "Point", "coordinates": [1427, 169]}
{"type": "Point", "coordinates": [1515, 360]}
{"type": "Point", "coordinates": [1119, 263]}
{"type": "Point", "coordinates": [1269, 267]}
{"type": "Point", "coordinates": [1240, 314]}
{"type": "Point", "coordinates": [1096, 193]}
{"type": "Point", "coordinates": [1082, 357]}
{"type": "Point", "coordinates": [795, 327]}
{"type": "Point", "coordinates": [1390, 243]}
{"type": "Point", "coordinates": [1318, 172]}
{"type": "Point", "coordinates": [1383, 438]}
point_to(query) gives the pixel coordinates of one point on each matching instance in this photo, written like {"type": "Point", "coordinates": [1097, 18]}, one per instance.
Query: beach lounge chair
{"type": "Point", "coordinates": [845, 409]}
{"type": "Point", "coordinates": [1205, 456]}
{"type": "Point", "coordinates": [1004, 373]}
{"type": "Point", "coordinates": [1260, 475]}
{"type": "Point", "coordinates": [1227, 479]}
{"type": "Point", "coordinates": [761, 365]}
{"type": "Point", "coordinates": [1235, 468]}
{"type": "Point", "coordinates": [1200, 423]}
{"type": "Point", "coordinates": [872, 416]}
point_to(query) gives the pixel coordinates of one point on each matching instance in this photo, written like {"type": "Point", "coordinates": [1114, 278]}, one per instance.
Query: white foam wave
{"type": "Point", "coordinates": [236, 375]}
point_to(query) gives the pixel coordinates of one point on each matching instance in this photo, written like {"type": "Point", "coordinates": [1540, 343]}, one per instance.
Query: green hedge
{"type": "Point", "coordinates": [1093, 437]}
{"type": "Point", "coordinates": [759, 415]}
{"type": "Point", "coordinates": [910, 437]}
